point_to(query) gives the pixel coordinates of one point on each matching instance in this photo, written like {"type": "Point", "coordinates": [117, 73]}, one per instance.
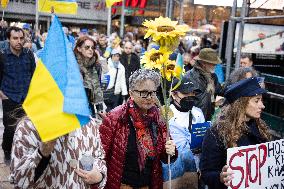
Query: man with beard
{"type": "Point", "coordinates": [130, 61]}
{"type": "Point", "coordinates": [204, 77]}
{"type": "Point", "coordinates": [102, 44]}
{"type": "Point", "coordinates": [17, 65]}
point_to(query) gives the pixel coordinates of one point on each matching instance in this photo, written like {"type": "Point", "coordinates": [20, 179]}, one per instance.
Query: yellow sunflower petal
{"type": "Point", "coordinates": [161, 29]}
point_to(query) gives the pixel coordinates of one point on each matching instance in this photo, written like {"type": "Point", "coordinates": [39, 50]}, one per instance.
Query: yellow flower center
{"type": "Point", "coordinates": [165, 28]}
{"type": "Point", "coordinates": [155, 56]}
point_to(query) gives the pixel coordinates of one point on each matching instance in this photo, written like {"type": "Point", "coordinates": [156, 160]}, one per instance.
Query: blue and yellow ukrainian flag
{"type": "Point", "coordinates": [56, 101]}
{"type": "Point", "coordinates": [58, 6]}
{"type": "Point", "coordinates": [4, 3]}
{"type": "Point", "coordinates": [109, 3]}
{"type": "Point", "coordinates": [178, 70]}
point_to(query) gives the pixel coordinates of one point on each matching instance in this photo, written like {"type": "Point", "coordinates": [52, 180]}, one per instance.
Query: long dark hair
{"type": "Point", "coordinates": [230, 123]}
{"type": "Point", "coordinates": [80, 42]}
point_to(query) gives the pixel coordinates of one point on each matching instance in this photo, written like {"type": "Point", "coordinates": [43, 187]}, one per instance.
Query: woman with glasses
{"type": "Point", "coordinates": [87, 58]}
{"type": "Point", "coordinates": [134, 137]}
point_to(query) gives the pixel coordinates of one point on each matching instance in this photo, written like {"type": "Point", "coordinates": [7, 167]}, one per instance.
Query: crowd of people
{"type": "Point", "coordinates": [126, 145]}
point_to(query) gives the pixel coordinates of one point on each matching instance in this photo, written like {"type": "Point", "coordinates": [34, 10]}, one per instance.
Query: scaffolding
{"type": "Point", "coordinates": [231, 32]}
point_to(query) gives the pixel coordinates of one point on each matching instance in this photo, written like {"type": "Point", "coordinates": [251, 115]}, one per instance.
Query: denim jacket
{"type": "Point", "coordinates": [16, 73]}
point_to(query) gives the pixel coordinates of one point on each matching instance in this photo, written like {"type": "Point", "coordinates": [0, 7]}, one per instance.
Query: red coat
{"type": "Point", "coordinates": [114, 133]}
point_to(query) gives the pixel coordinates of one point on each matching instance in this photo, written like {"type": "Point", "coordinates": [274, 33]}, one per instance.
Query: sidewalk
{"type": "Point", "coordinates": [4, 170]}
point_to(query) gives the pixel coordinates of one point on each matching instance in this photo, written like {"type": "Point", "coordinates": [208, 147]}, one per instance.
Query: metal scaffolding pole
{"type": "Point", "coordinates": [121, 32]}
{"type": "Point", "coordinates": [258, 18]}
{"type": "Point", "coordinates": [241, 33]}
{"type": "Point", "coordinates": [109, 21]}
{"type": "Point", "coordinates": [230, 40]}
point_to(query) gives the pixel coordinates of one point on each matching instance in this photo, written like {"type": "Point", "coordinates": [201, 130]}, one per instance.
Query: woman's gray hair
{"type": "Point", "coordinates": [239, 74]}
{"type": "Point", "coordinates": [142, 75]}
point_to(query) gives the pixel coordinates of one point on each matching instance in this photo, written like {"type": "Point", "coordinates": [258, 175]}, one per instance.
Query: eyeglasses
{"type": "Point", "coordinates": [89, 47]}
{"type": "Point", "coordinates": [145, 94]}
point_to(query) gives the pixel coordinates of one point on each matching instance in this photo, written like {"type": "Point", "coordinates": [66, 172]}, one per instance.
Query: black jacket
{"type": "Point", "coordinates": [129, 67]}
{"type": "Point", "coordinates": [214, 153]}
{"type": "Point", "coordinates": [203, 97]}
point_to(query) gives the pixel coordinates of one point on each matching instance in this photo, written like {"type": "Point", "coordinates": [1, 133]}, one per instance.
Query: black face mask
{"type": "Point", "coordinates": [186, 103]}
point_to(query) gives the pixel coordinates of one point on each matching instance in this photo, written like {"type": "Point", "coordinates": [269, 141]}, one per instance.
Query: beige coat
{"type": "Point", "coordinates": [58, 173]}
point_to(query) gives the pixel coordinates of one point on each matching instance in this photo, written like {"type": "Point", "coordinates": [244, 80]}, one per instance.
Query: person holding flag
{"type": "Point", "coordinates": [185, 121]}
{"type": "Point", "coordinates": [57, 145]}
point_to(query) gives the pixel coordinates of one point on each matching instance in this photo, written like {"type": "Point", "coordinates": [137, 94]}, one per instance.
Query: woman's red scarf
{"type": "Point", "coordinates": [142, 124]}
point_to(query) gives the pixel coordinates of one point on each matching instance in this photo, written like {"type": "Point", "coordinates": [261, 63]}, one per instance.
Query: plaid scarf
{"type": "Point", "coordinates": [142, 124]}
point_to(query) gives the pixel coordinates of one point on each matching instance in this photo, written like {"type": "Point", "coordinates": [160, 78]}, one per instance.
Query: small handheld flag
{"type": "Point", "coordinates": [56, 102]}
{"type": "Point", "coordinates": [4, 3]}
{"type": "Point", "coordinates": [109, 3]}
{"type": "Point", "coordinates": [178, 70]}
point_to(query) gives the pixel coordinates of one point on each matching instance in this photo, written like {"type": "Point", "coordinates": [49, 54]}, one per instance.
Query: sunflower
{"type": "Point", "coordinates": [165, 31]}
{"type": "Point", "coordinates": [167, 70]}
{"type": "Point", "coordinates": [154, 59]}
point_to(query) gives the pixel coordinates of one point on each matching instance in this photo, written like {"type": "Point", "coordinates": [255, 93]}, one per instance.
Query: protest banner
{"type": "Point", "coordinates": [257, 166]}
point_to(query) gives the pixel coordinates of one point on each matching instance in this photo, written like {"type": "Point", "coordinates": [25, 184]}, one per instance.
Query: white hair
{"type": "Point", "coordinates": [144, 74]}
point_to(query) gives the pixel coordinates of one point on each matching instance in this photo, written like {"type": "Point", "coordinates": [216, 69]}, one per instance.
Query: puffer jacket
{"type": "Point", "coordinates": [203, 97]}
{"type": "Point", "coordinates": [114, 133]}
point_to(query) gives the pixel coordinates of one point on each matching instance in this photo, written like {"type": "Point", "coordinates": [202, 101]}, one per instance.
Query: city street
{"type": "Point", "coordinates": [168, 94]}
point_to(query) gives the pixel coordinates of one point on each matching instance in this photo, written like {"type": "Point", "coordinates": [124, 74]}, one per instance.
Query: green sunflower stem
{"type": "Point", "coordinates": [166, 102]}
{"type": "Point", "coordinates": [165, 98]}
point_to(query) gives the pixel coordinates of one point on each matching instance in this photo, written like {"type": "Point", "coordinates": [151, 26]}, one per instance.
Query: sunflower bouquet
{"type": "Point", "coordinates": [166, 33]}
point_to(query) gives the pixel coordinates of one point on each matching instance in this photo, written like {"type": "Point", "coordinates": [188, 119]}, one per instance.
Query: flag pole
{"type": "Point", "coordinates": [109, 21]}
{"type": "Point", "coordinates": [36, 16]}
{"type": "Point", "coordinates": [122, 19]}
{"type": "Point", "coordinates": [3, 13]}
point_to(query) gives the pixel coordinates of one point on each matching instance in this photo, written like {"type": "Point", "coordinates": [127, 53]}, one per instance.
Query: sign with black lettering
{"type": "Point", "coordinates": [257, 166]}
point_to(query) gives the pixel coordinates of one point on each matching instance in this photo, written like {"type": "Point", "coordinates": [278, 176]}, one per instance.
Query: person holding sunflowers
{"type": "Point", "coordinates": [134, 137]}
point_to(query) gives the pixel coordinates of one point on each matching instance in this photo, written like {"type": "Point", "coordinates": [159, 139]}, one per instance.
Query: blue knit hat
{"type": "Point", "coordinates": [84, 31]}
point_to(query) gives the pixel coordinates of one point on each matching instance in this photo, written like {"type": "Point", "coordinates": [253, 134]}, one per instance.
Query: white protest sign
{"type": "Point", "coordinates": [257, 166]}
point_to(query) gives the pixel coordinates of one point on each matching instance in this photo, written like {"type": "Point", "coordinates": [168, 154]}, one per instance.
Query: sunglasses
{"type": "Point", "coordinates": [89, 47]}
{"type": "Point", "coordinates": [145, 94]}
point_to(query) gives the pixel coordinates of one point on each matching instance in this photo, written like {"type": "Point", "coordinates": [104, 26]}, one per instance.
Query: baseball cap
{"type": "Point", "coordinates": [186, 86]}
{"type": "Point", "coordinates": [115, 51]}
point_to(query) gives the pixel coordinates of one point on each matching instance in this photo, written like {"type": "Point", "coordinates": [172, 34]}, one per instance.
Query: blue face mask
{"type": "Point", "coordinates": [115, 64]}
